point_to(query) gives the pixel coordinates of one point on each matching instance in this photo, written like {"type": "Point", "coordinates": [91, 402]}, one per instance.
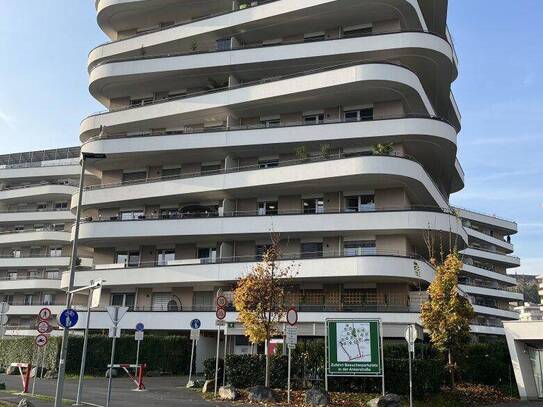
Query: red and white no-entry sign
{"type": "Point", "coordinates": [43, 327]}
{"type": "Point", "coordinates": [44, 314]}
{"type": "Point", "coordinates": [41, 340]}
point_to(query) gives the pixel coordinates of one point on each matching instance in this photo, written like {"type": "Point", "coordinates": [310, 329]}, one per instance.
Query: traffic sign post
{"type": "Point", "coordinates": [411, 335]}
{"type": "Point", "coordinates": [195, 325]}
{"type": "Point", "coordinates": [220, 313]}
{"type": "Point", "coordinates": [291, 334]}
{"type": "Point", "coordinates": [41, 340]}
{"type": "Point", "coordinates": [138, 336]}
{"type": "Point", "coordinates": [116, 314]}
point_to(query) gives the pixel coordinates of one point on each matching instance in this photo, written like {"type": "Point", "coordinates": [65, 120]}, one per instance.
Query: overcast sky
{"type": "Point", "coordinates": [43, 97]}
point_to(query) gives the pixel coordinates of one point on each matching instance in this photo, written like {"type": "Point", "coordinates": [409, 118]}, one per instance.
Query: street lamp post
{"type": "Point", "coordinates": [73, 264]}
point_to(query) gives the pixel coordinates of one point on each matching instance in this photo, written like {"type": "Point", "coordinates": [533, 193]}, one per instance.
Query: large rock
{"type": "Point", "coordinates": [228, 392]}
{"type": "Point", "coordinates": [388, 400]}
{"type": "Point", "coordinates": [261, 393]}
{"type": "Point", "coordinates": [114, 372]}
{"type": "Point", "coordinates": [25, 403]}
{"type": "Point", "coordinates": [317, 397]}
{"type": "Point", "coordinates": [208, 386]}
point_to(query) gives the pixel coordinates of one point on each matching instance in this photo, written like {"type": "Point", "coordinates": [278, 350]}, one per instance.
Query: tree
{"type": "Point", "coordinates": [260, 298]}
{"type": "Point", "coordinates": [447, 313]}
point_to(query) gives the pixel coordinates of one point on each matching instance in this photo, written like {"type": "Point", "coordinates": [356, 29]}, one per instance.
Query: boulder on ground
{"type": "Point", "coordinates": [261, 393]}
{"type": "Point", "coordinates": [228, 392]}
{"type": "Point", "coordinates": [317, 397]}
{"type": "Point", "coordinates": [25, 403]}
{"type": "Point", "coordinates": [208, 386]}
{"type": "Point", "coordinates": [388, 400]}
{"type": "Point", "coordinates": [114, 372]}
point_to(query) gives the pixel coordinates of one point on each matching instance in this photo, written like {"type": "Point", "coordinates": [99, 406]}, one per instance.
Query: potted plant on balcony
{"type": "Point", "coordinates": [383, 149]}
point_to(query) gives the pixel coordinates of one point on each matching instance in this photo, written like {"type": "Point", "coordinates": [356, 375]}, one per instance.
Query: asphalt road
{"type": "Point", "coordinates": [161, 391]}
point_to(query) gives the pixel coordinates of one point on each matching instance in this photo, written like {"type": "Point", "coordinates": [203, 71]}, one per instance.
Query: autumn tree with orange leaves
{"type": "Point", "coordinates": [260, 298]}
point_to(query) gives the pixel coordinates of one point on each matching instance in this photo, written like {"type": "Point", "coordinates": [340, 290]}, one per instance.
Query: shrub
{"type": "Point", "coordinates": [209, 368]}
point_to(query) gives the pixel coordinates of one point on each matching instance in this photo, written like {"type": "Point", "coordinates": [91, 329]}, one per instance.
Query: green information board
{"type": "Point", "coordinates": [354, 347]}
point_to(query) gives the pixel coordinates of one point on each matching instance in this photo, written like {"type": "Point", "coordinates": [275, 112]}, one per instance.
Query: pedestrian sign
{"type": "Point", "coordinates": [44, 314]}
{"type": "Point", "coordinates": [68, 318]}
{"type": "Point", "coordinates": [140, 327]}
{"type": "Point", "coordinates": [195, 324]}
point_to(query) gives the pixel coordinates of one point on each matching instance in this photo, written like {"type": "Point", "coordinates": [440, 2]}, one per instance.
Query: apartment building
{"type": "Point", "coordinates": [540, 285]}
{"type": "Point", "coordinates": [35, 225]}
{"type": "Point", "coordinates": [329, 122]}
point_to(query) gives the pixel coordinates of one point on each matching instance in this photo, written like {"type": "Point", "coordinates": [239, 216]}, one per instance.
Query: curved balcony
{"type": "Point", "coordinates": [34, 309]}
{"type": "Point", "coordinates": [34, 236]}
{"type": "Point", "coordinates": [40, 170]}
{"type": "Point", "coordinates": [486, 330]}
{"type": "Point", "coordinates": [30, 262]}
{"type": "Point", "coordinates": [39, 192]}
{"type": "Point", "coordinates": [508, 247]}
{"type": "Point", "coordinates": [508, 261]}
{"type": "Point", "coordinates": [427, 137]}
{"type": "Point", "coordinates": [381, 266]}
{"type": "Point", "coordinates": [27, 216]}
{"type": "Point", "coordinates": [508, 227]}
{"type": "Point", "coordinates": [496, 312]}
{"type": "Point", "coordinates": [333, 86]}
{"type": "Point", "coordinates": [504, 278]}
{"type": "Point", "coordinates": [29, 283]}
{"type": "Point", "coordinates": [288, 18]}
{"type": "Point", "coordinates": [408, 222]}
{"type": "Point", "coordinates": [117, 78]}
{"type": "Point", "coordinates": [329, 173]}
{"type": "Point", "coordinates": [491, 292]}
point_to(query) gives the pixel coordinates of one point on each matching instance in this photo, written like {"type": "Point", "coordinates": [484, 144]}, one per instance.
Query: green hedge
{"type": "Point", "coordinates": [486, 363]}
{"type": "Point", "coordinates": [165, 353]}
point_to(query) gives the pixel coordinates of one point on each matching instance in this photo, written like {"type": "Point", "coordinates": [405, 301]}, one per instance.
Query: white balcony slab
{"type": "Point", "coordinates": [37, 193]}
{"type": "Point", "coordinates": [486, 330]}
{"type": "Point", "coordinates": [509, 261]}
{"type": "Point", "coordinates": [492, 292]}
{"type": "Point", "coordinates": [43, 237]}
{"type": "Point", "coordinates": [370, 268]}
{"type": "Point", "coordinates": [504, 278]}
{"type": "Point", "coordinates": [506, 225]}
{"type": "Point", "coordinates": [42, 172]}
{"type": "Point", "coordinates": [29, 284]}
{"type": "Point", "coordinates": [33, 309]}
{"type": "Point", "coordinates": [37, 216]}
{"type": "Point", "coordinates": [480, 309]}
{"type": "Point", "coordinates": [34, 262]}
{"type": "Point", "coordinates": [490, 239]}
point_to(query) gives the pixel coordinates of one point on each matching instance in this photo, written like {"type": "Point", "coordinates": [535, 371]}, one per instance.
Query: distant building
{"type": "Point", "coordinates": [530, 312]}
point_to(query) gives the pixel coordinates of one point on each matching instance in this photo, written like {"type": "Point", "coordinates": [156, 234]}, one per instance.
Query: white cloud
{"type": "Point", "coordinates": [530, 265]}
{"type": "Point", "coordinates": [7, 119]}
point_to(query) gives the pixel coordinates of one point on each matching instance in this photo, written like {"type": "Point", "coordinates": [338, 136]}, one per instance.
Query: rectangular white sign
{"type": "Point", "coordinates": [138, 335]}
{"type": "Point", "coordinates": [194, 334]}
{"type": "Point", "coordinates": [114, 332]}
{"type": "Point", "coordinates": [291, 333]}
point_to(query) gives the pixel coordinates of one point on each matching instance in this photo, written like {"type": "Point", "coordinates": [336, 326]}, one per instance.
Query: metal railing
{"type": "Point", "coordinates": [484, 214]}
{"type": "Point", "coordinates": [31, 256]}
{"type": "Point", "coordinates": [40, 164]}
{"type": "Point", "coordinates": [34, 210]}
{"type": "Point", "coordinates": [492, 251]}
{"type": "Point", "coordinates": [41, 184]}
{"type": "Point", "coordinates": [242, 47]}
{"type": "Point", "coordinates": [289, 256]}
{"type": "Point", "coordinates": [44, 229]}
{"type": "Point", "coordinates": [26, 278]}
{"type": "Point", "coordinates": [262, 126]}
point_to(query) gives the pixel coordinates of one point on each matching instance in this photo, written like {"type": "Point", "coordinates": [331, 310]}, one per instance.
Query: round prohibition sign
{"type": "Point", "coordinates": [220, 314]}
{"type": "Point", "coordinates": [43, 327]}
{"type": "Point", "coordinates": [221, 301]}
{"type": "Point", "coordinates": [44, 314]}
{"type": "Point", "coordinates": [292, 316]}
{"type": "Point", "coordinates": [41, 340]}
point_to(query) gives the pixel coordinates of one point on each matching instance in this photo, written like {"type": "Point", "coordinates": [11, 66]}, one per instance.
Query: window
{"type": "Point", "coordinates": [314, 119]}
{"type": "Point", "coordinates": [28, 299]}
{"type": "Point", "coordinates": [267, 208]}
{"type": "Point", "coordinates": [123, 300]}
{"type": "Point", "coordinates": [171, 172]}
{"type": "Point", "coordinates": [356, 31]}
{"type": "Point", "coordinates": [360, 203]}
{"type": "Point", "coordinates": [164, 256]}
{"type": "Point", "coordinates": [271, 163]}
{"type": "Point", "coordinates": [202, 301]}
{"type": "Point", "coordinates": [359, 297]}
{"type": "Point", "coordinates": [314, 37]}
{"type": "Point", "coordinates": [271, 122]}
{"type": "Point", "coordinates": [224, 44]}
{"type": "Point", "coordinates": [260, 250]}
{"type": "Point", "coordinates": [359, 115]}
{"type": "Point", "coordinates": [52, 274]}
{"type": "Point", "coordinates": [128, 258]}
{"type": "Point", "coordinates": [207, 254]}
{"type": "Point", "coordinates": [140, 102]}
{"type": "Point", "coordinates": [59, 227]}
{"type": "Point", "coordinates": [39, 227]}
{"type": "Point", "coordinates": [41, 206]}
{"type": "Point", "coordinates": [169, 213]}
{"type": "Point", "coordinates": [12, 275]}
{"type": "Point", "coordinates": [35, 251]}
{"type": "Point", "coordinates": [55, 251]}
{"type": "Point", "coordinates": [16, 253]}
{"type": "Point", "coordinates": [161, 302]}
{"type": "Point", "coordinates": [311, 250]}
{"type": "Point", "coordinates": [134, 176]}
{"type": "Point", "coordinates": [48, 299]}
{"type": "Point", "coordinates": [359, 248]}
{"type": "Point", "coordinates": [210, 168]}
{"type": "Point", "coordinates": [313, 205]}
{"type": "Point", "coordinates": [19, 228]}
{"type": "Point", "coordinates": [6, 298]}
{"type": "Point", "coordinates": [60, 206]}
{"type": "Point", "coordinates": [132, 215]}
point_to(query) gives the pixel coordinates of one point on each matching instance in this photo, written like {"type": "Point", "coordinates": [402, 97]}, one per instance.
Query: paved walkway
{"type": "Point", "coordinates": [161, 391]}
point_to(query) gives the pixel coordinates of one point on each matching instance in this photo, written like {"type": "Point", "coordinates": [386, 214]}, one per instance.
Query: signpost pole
{"type": "Point", "coordinates": [137, 354]}
{"type": "Point", "coordinates": [191, 361]}
{"type": "Point", "coordinates": [37, 368]}
{"type": "Point", "coordinates": [326, 355]}
{"type": "Point", "coordinates": [288, 377]}
{"type": "Point", "coordinates": [382, 356]}
{"type": "Point", "coordinates": [115, 322]}
{"type": "Point", "coordinates": [84, 352]}
{"type": "Point", "coordinates": [224, 357]}
{"type": "Point", "coordinates": [217, 360]}
{"type": "Point", "coordinates": [410, 380]}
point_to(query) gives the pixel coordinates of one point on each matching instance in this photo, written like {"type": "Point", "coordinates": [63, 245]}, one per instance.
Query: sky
{"type": "Point", "coordinates": [43, 97]}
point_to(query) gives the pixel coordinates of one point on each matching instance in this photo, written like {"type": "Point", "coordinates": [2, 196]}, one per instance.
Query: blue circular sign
{"type": "Point", "coordinates": [140, 327]}
{"type": "Point", "coordinates": [68, 318]}
{"type": "Point", "coordinates": [195, 324]}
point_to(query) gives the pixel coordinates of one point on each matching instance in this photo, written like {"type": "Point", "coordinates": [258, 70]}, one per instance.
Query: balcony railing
{"type": "Point", "coordinates": [288, 256]}
{"type": "Point", "coordinates": [34, 210]}
{"type": "Point", "coordinates": [44, 229]}
{"type": "Point", "coordinates": [279, 212]}
{"type": "Point", "coordinates": [256, 46]}
{"type": "Point", "coordinates": [26, 278]}
{"type": "Point", "coordinates": [41, 184]}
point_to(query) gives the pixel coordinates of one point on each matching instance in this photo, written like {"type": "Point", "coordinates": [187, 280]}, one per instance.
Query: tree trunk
{"type": "Point", "coordinates": [267, 373]}
{"type": "Point", "coordinates": [451, 369]}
